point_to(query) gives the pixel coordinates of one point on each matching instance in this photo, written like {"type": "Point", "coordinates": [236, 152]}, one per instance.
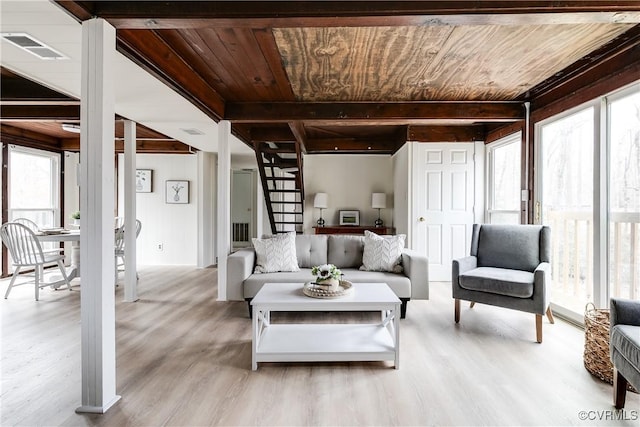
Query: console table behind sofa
{"type": "Point", "coordinates": [353, 229]}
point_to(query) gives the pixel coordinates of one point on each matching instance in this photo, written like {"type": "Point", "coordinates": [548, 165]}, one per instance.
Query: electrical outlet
{"type": "Point", "coordinates": [160, 247]}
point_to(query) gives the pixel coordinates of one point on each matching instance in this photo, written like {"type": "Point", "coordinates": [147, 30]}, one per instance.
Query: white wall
{"type": "Point", "coordinates": [349, 181]}
{"type": "Point", "coordinates": [175, 226]}
{"type": "Point", "coordinates": [401, 190]}
{"type": "Point", "coordinates": [71, 190]}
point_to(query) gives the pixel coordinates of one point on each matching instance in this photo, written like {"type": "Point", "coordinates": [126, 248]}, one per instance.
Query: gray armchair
{"type": "Point", "coordinates": [508, 267]}
{"type": "Point", "coordinates": [625, 347]}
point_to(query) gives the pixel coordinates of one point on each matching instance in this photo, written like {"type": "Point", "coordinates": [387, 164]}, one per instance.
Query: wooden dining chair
{"type": "Point", "coordinates": [26, 252]}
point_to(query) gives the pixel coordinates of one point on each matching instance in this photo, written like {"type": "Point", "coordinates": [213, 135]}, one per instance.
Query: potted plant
{"type": "Point", "coordinates": [76, 217]}
{"type": "Point", "coordinates": [328, 276]}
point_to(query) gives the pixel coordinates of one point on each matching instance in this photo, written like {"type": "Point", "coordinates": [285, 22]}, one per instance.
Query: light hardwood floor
{"type": "Point", "coordinates": [185, 359]}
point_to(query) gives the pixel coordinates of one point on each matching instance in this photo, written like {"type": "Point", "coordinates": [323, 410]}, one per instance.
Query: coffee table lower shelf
{"type": "Point", "coordinates": [325, 343]}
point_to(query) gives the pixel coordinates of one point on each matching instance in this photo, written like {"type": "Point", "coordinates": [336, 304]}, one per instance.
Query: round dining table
{"type": "Point", "coordinates": [65, 236]}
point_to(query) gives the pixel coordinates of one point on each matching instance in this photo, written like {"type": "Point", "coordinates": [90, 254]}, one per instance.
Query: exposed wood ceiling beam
{"type": "Point", "coordinates": [297, 128]}
{"type": "Point", "coordinates": [142, 146]}
{"type": "Point", "coordinates": [446, 133]}
{"type": "Point", "coordinates": [194, 14]}
{"type": "Point", "coordinates": [39, 112]}
{"type": "Point", "coordinates": [370, 111]}
{"type": "Point", "coordinates": [350, 145]}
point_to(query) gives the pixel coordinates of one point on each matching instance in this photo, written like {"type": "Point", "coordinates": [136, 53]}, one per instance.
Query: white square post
{"type": "Point", "coordinates": [224, 205]}
{"type": "Point", "coordinates": [206, 209]}
{"type": "Point", "coordinates": [130, 262]}
{"type": "Point", "coordinates": [97, 300]}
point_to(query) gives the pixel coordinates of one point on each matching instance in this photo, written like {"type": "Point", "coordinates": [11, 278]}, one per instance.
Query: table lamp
{"type": "Point", "coordinates": [320, 202]}
{"type": "Point", "coordinates": [379, 201]}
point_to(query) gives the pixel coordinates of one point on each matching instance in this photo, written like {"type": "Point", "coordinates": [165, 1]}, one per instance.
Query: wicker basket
{"type": "Point", "coordinates": [596, 344]}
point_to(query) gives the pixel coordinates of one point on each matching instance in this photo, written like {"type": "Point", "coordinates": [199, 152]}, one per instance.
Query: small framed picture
{"type": "Point", "coordinates": [143, 180]}
{"type": "Point", "coordinates": [177, 192]}
{"type": "Point", "coordinates": [349, 217]}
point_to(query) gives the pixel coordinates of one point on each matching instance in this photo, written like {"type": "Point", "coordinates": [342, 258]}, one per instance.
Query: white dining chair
{"type": "Point", "coordinates": [26, 251]}
{"type": "Point", "coordinates": [28, 223]}
{"type": "Point", "coordinates": [48, 247]}
{"type": "Point", "coordinates": [120, 251]}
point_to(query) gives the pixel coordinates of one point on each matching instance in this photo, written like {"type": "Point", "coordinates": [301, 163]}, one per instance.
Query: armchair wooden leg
{"type": "Point", "coordinates": [619, 389]}
{"type": "Point", "coordinates": [550, 315]}
{"type": "Point", "coordinates": [472, 304]}
{"type": "Point", "coordinates": [457, 311]}
{"type": "Point", "coordinates": [539, 328]}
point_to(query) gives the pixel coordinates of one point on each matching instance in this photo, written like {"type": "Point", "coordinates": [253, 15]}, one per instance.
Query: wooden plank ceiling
{"type": "Point", "coordinates": [33, 115]}
{"type": "Point", "coordinates": [358, 77]}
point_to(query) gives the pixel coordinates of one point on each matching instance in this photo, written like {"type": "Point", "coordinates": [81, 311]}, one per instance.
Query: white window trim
{"type": "Point", "coordinates": [56, 181]}
{"type": "Point", "coordinates": [490, 149]}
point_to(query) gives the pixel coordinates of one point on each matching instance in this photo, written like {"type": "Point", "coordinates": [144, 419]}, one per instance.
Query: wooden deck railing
{"type": "Point", "coordinates": [572, 254]}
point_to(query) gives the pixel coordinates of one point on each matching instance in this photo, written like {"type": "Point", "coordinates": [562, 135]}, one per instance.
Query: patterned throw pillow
{"type": "Point", "coordinates": [382, 253]}
{"type": "Point", "coordinates": [277, 253]}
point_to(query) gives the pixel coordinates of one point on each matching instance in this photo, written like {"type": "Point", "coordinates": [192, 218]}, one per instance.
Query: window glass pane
{"type": "Point", "coordinates": [567, 206]}
{"type": "Point", "coordinates": [624, 197]}
{"type": "Point", "coordinates": [504, 218]}
{"type": "Point", "coordinates": [506, 177]}
{"type": "Point", "coordinates": [30, 180]}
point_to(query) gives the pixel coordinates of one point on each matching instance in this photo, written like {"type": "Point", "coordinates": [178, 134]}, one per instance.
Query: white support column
{"type": "Point", "coordinates": [224, 205]}
{"type": "Point", "coordinates": [600, 211]}
{"type": "Point", "coordinates": [97, 301]}
{"type": "Point", "coordinates": [206, 209]}
{"type": "Point", "coordinates": [130, 276]}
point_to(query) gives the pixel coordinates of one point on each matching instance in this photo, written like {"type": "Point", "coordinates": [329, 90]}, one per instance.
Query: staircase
{"type": "Point", "coordinates": [280, 166]}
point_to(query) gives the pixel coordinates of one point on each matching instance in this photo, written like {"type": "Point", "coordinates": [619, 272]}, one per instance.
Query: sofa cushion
{"type": "Point", "coordinates": [345, 251]}
{"type": "Point", "coordinates": [626, 340]}
{"type": "Point", "coordinates": [514, 247]}
{"type": "Point", "coordinates": [277, 253]}
{"type": "Point", "coordinates": [500, 281]}
{"type": "Point", "coordinates": [253, 283]}
{"type": "Point", "coordinates": [399, 283]}
{"type": "Point", "coordinates": [311, 250]}
{"type": "Point", "coordinates": [382, 253]}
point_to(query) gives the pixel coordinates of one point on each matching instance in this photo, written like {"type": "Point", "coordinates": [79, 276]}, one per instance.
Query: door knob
{"type": "Point", "coordinates": [421, 219]}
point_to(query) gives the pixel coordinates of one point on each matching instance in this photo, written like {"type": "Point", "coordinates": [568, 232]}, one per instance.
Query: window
{"type": "Point", "coordinates": [34, 182]}
{"type": "Point", "coordinates": [624, 195]}
{"type": "Point", "coordinates": [503, 180]}
{"type": "Point", "coordinates": [566, 186]}
{"type": "Point", "coordinates": [588, 191]}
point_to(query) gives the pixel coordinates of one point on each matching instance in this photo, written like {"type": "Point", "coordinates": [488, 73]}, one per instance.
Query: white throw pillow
{"type": "Point", "coordinates": [382, 253]}
{"type": "Point", "coordinates": [277, 253]}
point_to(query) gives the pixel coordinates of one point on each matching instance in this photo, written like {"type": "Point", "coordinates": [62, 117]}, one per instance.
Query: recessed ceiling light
{"type": "Point", "coordinates": [71, 127]}
{"type": "Point", "coordinates": [33, 46]}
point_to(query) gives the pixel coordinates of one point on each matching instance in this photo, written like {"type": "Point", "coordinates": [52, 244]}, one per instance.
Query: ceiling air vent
{"type": "Point", "coordinates": [192, 131]}
{"type": "Point", "coordinates": [33, 46]}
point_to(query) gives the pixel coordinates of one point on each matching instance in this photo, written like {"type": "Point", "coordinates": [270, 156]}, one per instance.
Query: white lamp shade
{"type": "Point", "coordinates": [378, 200]}
{"type": "Point", "coordinates": [321, 201]}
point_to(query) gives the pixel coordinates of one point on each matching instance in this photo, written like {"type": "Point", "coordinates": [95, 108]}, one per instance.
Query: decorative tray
{"type": "Point", "coordinates": [311, 289]}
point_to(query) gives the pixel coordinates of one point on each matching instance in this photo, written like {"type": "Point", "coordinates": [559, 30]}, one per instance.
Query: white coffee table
{"type": "Point", "coordinates": [309, 342]}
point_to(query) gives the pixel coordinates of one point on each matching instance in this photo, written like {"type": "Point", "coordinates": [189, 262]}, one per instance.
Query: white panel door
{"type": "Point", "coordinates": [443, 202]}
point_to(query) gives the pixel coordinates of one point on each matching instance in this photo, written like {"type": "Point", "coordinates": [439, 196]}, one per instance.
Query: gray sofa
{"type": "Point", "coordinates": [624, 347]}
{"type": "Point", "coordinates": [345, 252]}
